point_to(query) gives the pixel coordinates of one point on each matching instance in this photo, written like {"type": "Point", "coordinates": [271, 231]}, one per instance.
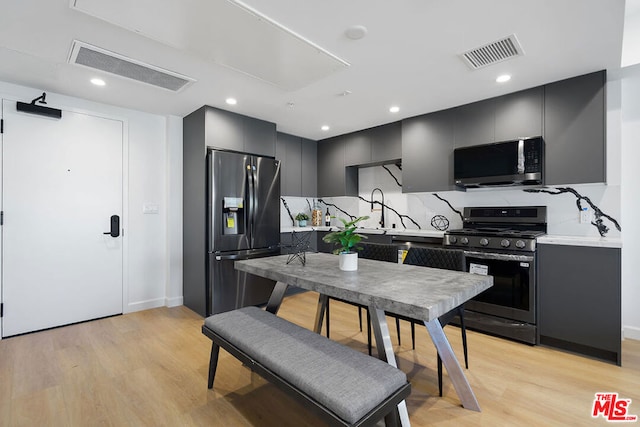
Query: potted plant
{"type": "Point", "coordinates": [302, 219]}
{"type": "Point", "coordinates": [346, 240]}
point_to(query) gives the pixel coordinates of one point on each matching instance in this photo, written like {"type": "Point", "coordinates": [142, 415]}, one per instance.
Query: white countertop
{"type": "Point", "coordinates": [602, 242]}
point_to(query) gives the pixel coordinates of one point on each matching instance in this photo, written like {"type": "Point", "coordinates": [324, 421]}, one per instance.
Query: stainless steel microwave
{"type": "Point", "coordinates": [509, 163]}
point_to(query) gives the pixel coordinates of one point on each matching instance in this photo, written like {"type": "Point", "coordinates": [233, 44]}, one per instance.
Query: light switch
{"type": "Point", "coordinates": [150, 209]}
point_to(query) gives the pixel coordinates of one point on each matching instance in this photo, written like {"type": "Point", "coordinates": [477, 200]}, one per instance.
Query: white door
{"type": "Point", "coordinates": [61, 183]}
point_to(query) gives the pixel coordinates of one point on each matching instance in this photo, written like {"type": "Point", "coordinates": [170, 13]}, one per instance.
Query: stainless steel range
{"type": "Point", "coordinates": [501, 242]}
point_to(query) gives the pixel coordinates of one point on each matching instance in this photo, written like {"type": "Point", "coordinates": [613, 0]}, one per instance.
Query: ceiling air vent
{"type": "Point", "coordinates": [101, 59]}
{"type": "Point", "coordinates": [493, 53]}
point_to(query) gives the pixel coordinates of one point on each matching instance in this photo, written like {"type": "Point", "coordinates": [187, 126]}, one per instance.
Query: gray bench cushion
{"type": "Point", "coordinates": [344, 380]}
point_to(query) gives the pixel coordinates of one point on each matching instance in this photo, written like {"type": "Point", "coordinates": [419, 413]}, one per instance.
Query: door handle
{"type": "Point", "coordinates": [115, 226]}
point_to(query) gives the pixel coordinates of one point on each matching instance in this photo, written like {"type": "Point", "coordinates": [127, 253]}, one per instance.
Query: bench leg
{"type": "Point", "coordinates": [213, 363]}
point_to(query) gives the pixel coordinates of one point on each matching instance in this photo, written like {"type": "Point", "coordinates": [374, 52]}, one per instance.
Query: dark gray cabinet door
{"type": "Point", "coordinates": [309, 168]}
{"type": "Point", "coordinates": [357, 148]}
{"type": "Point", "coordinates": [574, 133]}
{"type": "Point", "coordinates": [289, 152]}
{"type": "Point", "coordinates": [579, 299]}
{"type": "Point", "coordinates": [259, 137]}
{"type": "Point", "coordinates": [330, 167]}
{"type": "Point", "coordinates": [474, 123]}
{"type": "Point", "coordinates": [386, 142]}
{"type": "Point", "coordinates": [519, 114]}
{"type": "Point", "coordinates": [224, 129]}
{"type": "Point", "coordinates": [427, 152]}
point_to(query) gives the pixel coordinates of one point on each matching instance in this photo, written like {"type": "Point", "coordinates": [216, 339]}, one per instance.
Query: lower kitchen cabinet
{"type": "Point", "coordinates": [579, 300]}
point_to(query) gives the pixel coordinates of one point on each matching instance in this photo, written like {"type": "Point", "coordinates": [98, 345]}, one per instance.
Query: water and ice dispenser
{"type": "Point", "coordinates": [233, 215]}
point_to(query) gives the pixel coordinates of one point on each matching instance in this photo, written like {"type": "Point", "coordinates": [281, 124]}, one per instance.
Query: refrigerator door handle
{"type": "Point", "coordinates": [251, 197]}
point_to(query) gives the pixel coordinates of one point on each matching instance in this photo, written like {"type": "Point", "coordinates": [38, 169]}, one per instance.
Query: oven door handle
{"type": "Point", "coordinates": [498, 256]}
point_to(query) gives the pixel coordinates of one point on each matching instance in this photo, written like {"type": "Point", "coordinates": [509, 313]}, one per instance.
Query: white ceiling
{"type": "Point", "coordinates": [409, 56]}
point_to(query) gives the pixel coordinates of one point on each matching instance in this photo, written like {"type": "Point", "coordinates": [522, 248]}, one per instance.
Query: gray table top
{"type": "Point", "coordinates": [412, 291]}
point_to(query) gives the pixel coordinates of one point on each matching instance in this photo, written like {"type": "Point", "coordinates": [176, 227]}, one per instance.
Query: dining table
{"type": "Point", "coordinates": [416, 292]}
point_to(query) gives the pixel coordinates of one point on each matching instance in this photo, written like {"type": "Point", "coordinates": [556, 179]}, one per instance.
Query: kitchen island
{"type": "Point", "coordinates": [416, 292]}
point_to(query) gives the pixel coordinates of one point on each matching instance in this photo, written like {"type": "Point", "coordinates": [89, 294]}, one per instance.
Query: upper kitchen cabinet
{"type": "Point", "coordinates": [309, 167]}
{"type": "Point", "coordinates": [230, 131]}
{"type": "Point", "coordinates": [574, 130]}
{"type": "Point", "coordinates": [298, 165]}
{"type": "Point", "coordinates": [334, 178]}
{"type": "Point", "coordinates": [474, 123]}
{"type": "Point", "coordinates": [519, 114]}
{"type": "Point", "coordinates": [378, 145]}
{"type": "Point", "coordinates": [427, 152]}
{"type": "Point", "coordinates": [386, 143]}
{"type": "Point", "coordinates": [259, 136]}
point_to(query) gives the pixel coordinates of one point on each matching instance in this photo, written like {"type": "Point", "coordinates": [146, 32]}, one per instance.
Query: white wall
{"type": "Point", "coordinates": [149, 279]}
{"type": "Point", "coordinates": [630, 121]}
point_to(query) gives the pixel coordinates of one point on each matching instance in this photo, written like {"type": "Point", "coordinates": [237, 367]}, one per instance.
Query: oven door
{"type": "Point", "coordinates": [512, 295]}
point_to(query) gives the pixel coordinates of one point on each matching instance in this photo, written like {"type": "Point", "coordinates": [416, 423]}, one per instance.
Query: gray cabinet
{"type": "Point", "coordinates": [574, 130]}
{"type": "Point", "coordinates": [334, 178]}
{"type": "Point", "coordinates": [386, 143]}
{"type": "Point", "coordinates": [519, 114]}
{"type": "Point", "coordinates": [309, 169]}
{"type": "Point", "coordinates": [427, 152]}
{"type": "Point", "coordinates": [579, 299]}
{"type": "Point", "coordinates": [474, 123]}
{"type": "Point", "coordinates": [357, 148]}
{"type": "Point", "coordinates": [378, 145]}
{"type": "Point", "coordinates": [259, 136]}
{"type": "Point", "coordinates": [298, 165]}
{"type": "Point", "coordinates": [231, 131]}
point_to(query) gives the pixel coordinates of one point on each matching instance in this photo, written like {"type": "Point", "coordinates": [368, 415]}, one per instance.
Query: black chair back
{"type": "Point", "coordinates": [378, 252]}
{"type": "Point", "coordinates": [448, 259]}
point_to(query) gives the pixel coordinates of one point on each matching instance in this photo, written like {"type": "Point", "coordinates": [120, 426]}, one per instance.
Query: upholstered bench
{"type": "Point", "coordinates": [341, 385]}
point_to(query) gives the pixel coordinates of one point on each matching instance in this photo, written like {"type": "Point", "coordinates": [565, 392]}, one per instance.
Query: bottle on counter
{"type": "Point", "coordinates": [327, 218]}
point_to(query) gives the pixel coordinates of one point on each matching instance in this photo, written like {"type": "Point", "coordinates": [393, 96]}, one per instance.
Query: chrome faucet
{"type": "Point", "coordinates": [382, 204]}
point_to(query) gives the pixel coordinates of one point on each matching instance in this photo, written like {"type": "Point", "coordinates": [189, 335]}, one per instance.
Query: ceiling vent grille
{"type": "Point", "coordinates": [110, 62]}
{"type": "Point", "coordinates": [493, 53]}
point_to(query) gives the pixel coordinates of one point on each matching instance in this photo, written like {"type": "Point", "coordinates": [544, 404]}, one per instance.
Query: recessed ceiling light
{"type": "Point", "coordinates": [98, 82]}
{"type": "Point", "coordinates": [503, 78]}
{"type": "Point", "coordinates": [325, 128]}
{"type": "Point", "coordinates": [231, 101]}
{"type": "Point", "coordinates": [394, 109]}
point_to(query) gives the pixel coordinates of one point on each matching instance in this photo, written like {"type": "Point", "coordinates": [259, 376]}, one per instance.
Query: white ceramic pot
{"type": "Point", "coordinates": [348, 261]}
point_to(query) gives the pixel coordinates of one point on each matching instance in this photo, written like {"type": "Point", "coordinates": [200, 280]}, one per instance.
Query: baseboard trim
{"type": "Point", "coordinates": [631, 332]}
{"type": "Point", "coordinates": [173, 302]}
{"type": "Point", "coordinates": [145, 305]}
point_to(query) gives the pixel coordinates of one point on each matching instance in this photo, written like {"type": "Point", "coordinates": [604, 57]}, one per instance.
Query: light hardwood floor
{"type": "Point", "coordinates": [150, 368]}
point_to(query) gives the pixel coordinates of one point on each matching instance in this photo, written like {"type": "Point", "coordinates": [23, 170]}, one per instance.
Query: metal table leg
{"type": "Point", "coordinates": [273, 305]}
{"type": "Point", "coordinates": [385, 352]}
{"type": "Point", "coordinates": [450, 362]}
{"type": "Point", "coordinates": [323, 302]}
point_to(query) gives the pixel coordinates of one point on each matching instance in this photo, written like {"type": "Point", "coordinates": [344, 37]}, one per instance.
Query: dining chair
{"type": "Point", "coordinates": [449, 259]}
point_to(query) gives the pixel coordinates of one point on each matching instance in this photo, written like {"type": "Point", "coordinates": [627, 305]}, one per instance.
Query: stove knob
{"type": "Point", "coordinates": [520, 244]}
{"type": "Point", "coordinates": [464, 241]}
{"type": "Point", "coordinates": [453, 239]}
{"type": "Point", "coordinates": [505, 243]}
{"type": "Point", "coordinates": [484, 241]}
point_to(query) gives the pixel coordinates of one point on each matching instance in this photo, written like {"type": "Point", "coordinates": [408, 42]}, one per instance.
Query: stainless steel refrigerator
{"type": "Point", "coordinates": [243, 222]}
